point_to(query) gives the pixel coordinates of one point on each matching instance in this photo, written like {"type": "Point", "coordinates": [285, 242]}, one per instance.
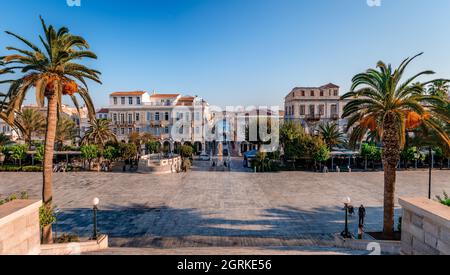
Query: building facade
{"type": "Point", "coordinates": [171, 118]}
{"type": "Point", "coordinates": [311, 106]}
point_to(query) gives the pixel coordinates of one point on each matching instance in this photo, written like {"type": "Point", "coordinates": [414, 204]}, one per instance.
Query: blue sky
{"type": "Point", "coordinates": [240, 52]}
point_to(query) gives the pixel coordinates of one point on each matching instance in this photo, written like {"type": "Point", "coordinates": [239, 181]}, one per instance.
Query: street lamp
{"type": "Point", "coordinates": [431, 156]}
{"type": "Point", "coordinates": [346, 234]}
{"type": "Point", "coordinates": [95, 202]}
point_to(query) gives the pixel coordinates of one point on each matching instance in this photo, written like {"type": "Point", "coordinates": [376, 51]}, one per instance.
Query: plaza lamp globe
{"type": "Point", "coordinates": [95, 201]}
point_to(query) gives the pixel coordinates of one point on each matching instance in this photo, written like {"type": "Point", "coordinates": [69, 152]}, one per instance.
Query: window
{"type": "Point", "coordinates": [149, 116]}
{"type": "Point", "coordinates": [302, 110]}
{"type": "Point", "coordinates": [122, 131]}
{"type": "Point", "coordinates": [157, 116]}
{"type": "Point", "coordinates": [188, 117]}
{"type": "Point", "coordinates": [312, 109]}
{"type": "Point", "coordinates": [334, 109]}
{"type": "Point", "coordinates": [197, 116]}
{"type": "Point", "coordinates": [181, 130]}
{"type": "Point", "coordinates": [166, 116]}
{"type": "Point", "coordinates": [115, 131]}
{"type": "Point", "coordinates": [130, 100]}
{"type": "Point", "coordinates": [197, 130]}
{"type": "Point", "coordinates": [130, 130]}
{"type": "Point", "coordinates": [138, 130]}
{"type": "Point", "coordinates": [336, 93]}
{"type": "Point", "coordinates": [293, 110]}
{"type": "Point", "coordinates": [138, 100]}
{"type": "Point", "coordinates": [122, 118]}
{"type": "Point", "coordinates": [130, 118]}
{"type": "Point", "coordinates": [322, 110]}
{"type": "Point", "coordinates": [312, 93]}
{"type": "Point", "coordinates": [303, 93]}
{"type": "Point", "coordinates": [115, 100]}
{"type": "Point", "coordinates": [321, 93]}
{"type": "Point", "coordinates": [166, 130]}
{"type": "Point", "coordinates": [122, 100]}
{"type": "Point", "coordinates": [138, 116]}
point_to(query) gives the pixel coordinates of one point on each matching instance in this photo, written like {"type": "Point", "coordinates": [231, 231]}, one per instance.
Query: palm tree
{"type": "Point", "coordinates": [440, 88]}
{"type": "Point", "coordinates": [99, 133]}
{"type": "Point", "coordinates": [33, 122]}
{"type": "Point", "coordinates": [331, 135]}
{"type": "Point", "coordinates": [64, 131]}
{"type": "Point", "coordinates": [53, 72]}
{"type": "Point", "coordinates": [382, 102]}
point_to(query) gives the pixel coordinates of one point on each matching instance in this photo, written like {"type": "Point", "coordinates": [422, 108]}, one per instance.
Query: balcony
{"type": "Point", "coordinates": [125, 123]}
{"type": "Point", "coordinates": [313, 117]}
{"type": "Point", "coordinates": [334, 117]}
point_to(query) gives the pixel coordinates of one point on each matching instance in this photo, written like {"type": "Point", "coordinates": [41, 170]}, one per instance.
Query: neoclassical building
{"type": "Point", "coordinates": [172, 118]}
{"type": "Point", "coordinates": [311, 106]}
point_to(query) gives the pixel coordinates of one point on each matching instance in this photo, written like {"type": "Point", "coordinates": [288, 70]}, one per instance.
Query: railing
{"type": "Point", "coordinates": [313, 117]}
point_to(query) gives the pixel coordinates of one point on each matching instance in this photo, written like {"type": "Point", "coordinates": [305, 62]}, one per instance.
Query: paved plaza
{"type": "Point", "coordinates": [222, 209]}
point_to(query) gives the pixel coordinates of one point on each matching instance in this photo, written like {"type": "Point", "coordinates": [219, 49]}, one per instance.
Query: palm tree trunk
{"type": "Point", "coordinates": [47, 192]}
{"type": "Point", "coordinates": [391, 157]}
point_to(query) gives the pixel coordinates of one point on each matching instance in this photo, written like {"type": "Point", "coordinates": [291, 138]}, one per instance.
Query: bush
{"type": "Point", "coordinates": [39, 156]}
{"type": "Point", "coordinates": [68, 238]}
{"type": "Point", "coordinates": [18, 152]}
{"type": "Point", "coordinates": [46, 216]}
{"type": "Point", "coordinates": [15, 168]}
{"type": "Point", "coordinates": [187, 151]}
{"type": "Point", "coordinates": [29, 169]}
{"type": "Point", "coordinates": [153, 147]}
{"type": "Point", "coordinates": [444, 200]}
{"type": "Point", "coordinates": [128, 151]}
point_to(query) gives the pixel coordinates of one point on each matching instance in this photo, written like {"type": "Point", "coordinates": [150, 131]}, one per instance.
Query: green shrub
{"type": "Point", "coordinates": [46, 216]}
{"type": "Point", "coordinates": [187, 151]}
{"type": "Point", "coordinates": [39, 156]}
{"type": "Point", "coordinates": [68, 238]}
{"type": "Point", "coordinates": [18, 152]}
{"type": "Point", "coordinates": [445, 200]}
{"type": "Point", "coordinates": [32, 169]}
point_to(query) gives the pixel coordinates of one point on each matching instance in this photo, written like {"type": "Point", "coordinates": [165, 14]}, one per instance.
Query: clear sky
{"type": "Point", "coordinates": [240, 52]}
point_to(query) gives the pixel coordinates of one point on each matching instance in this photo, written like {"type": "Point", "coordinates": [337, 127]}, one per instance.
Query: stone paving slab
{"type": "Point", "coordinates": [204, 208]}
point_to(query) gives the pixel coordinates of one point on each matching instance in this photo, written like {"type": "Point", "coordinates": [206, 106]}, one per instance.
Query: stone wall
{"type": "Point", "coordinates": [425, 227]}
{"type": "Point", "coordinates": [19, 228]}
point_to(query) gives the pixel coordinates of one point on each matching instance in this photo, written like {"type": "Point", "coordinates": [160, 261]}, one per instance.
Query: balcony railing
{"type": "Point", "coordinates": [313, 117]}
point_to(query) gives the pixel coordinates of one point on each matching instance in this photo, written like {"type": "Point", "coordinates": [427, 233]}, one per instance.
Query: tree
{"type": "Point", "coordinates": [89, 153]}
{"type": "Point", "coordinates": [39, 156]}
{"type": "Point", "coordinates": [187, 151]}
{"type": "Point", "coordinates": [322, 154]}
{"type": "Point", "coordinates": [18, 153]}
{"type": "Point", "coordinates": [381, 101]}
{"type": "Point", "coordinates": [99, 133]}
{"type": "Point", "coordinates": [440, 88]}
{"type": "Point", "coordinates": [64, 131]}
{"type": "Point", "coordinates": [331, 135]}
{"type": "Point", "coordinates": [33, 122]}
{"type": "Point", "coordinates": [369, 151]}
{"type": "Point", "coordinates": [153, 146]}
{"type": "Point", "coordinates": [54, 72]}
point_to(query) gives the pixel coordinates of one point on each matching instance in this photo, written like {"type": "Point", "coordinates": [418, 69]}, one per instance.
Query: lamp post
{"type": "Point", "coordinates": [346, 234]}
{"type": "Point", "coordinates": [95, 202]}
{"type": "Point", "coordinates": [430, 171]}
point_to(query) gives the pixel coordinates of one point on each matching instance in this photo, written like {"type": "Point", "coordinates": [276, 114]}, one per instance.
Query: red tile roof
{"type": "Point", "coordinates": [134, 93]}
{"type": "Point", "coordinates": [103, 111]}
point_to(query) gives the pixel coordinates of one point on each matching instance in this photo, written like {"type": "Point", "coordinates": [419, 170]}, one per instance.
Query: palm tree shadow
{"type": "Point", "coordinates": [143, 226]}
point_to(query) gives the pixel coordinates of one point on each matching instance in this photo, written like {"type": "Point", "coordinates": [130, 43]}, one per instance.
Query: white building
{"type": "Point", "coordinates": [311, 106]}
{"type": "Point", "coordinates": [172, 118]}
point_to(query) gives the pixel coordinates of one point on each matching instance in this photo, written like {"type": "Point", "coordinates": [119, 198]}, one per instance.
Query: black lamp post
{"type": "Point", "coordinates": [430, 172]}
{"type": "Point", "coordinates": [95, 202]}
{"type": "Point", "coordinates": [346, 234]}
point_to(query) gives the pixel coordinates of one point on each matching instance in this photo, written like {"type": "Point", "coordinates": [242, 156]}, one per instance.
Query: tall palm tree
{"type": "Point", "coordinates": [53, 71]}
{"type": "Point", "coordinates": [99, 133]}
{"type": "Point", "coordinates": [440, 88]}
{"type": "Point", "coordinates": [382, 102]}
{"type": "Point", "coordinates": [331, 134]}
{"type": "Point", "coordinates": [64, 130]}
{"type": "Point", "coordinates": [33, 122]}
